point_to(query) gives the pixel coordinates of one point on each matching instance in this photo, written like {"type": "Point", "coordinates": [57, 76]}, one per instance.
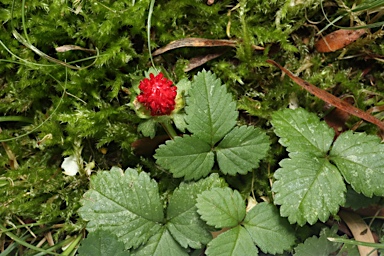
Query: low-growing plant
{"type": "Point", "coordinates": [211, 167]}
{"type": "Point", "coordinates": [309, 186]}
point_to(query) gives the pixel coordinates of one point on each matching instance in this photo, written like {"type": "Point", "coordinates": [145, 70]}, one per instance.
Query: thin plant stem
{"type": "Point", "coordinates": [169, 129]}
{"type": "Point", "coordinates": [354, 242]}
{"type": "Point", "coordinates": [150, 12]}
{"type": "Point", "coordinates": [23, 21]}
{"type": "Point", "coordinates": [70, 249]}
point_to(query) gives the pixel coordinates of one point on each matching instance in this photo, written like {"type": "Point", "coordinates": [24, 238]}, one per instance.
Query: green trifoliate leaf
{"type": "Point", "coordinates": [126, 204]}
{"type": "Point", "coordinates": [161, 244]}
{"type": "Point", "coordinates": [186, 156]}
{"type": "Point", "coordinates": [241, 150]}
{"type": "Point", "coordinates": [271, 233]}
{"type": "Point", "coordinates": [211, 112]}
{"type": "Point", "coordinates": [101, 243]}
{"type": "Point", "coordinates": [301, 131]}
{"type": "Point", "coordinates": [308, 188]}
{"type": "Point", "coordinates": [315, 246]}
{"type": "Point", "coordinates": [221, 207]}
{"type": "Point", "coordinates": [360, 158]}
{"type": "Point", "coordinates": [184, 222]}
{"type": "Point", "coordinates": [233, 242]}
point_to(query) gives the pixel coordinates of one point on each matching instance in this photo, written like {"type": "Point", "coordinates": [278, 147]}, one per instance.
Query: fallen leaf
{"type": "Point", "coordinates": [69, 47]}
{"type": "Point", "coordinates": [329, 98]}
{"type": "Point", "coordinates": [217, 233]}
{"type": "Point", "coordinates": [360, 230]}
{"type": "Point", "coordinates": [198, 61]}
{"type": "Point", "coordinates": [373, 210]}
{"type": "Point", "coordinates": [194, 42]}
{"type": "Point", "coordinates": [338, 39]}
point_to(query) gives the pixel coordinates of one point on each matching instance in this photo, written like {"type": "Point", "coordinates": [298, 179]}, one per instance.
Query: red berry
{"type": "Point", "coordinates": [157, 94]}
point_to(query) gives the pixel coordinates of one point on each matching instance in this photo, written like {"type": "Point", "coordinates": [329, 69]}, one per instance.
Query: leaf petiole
{"type": "Point", "coordinates": [169, 129]}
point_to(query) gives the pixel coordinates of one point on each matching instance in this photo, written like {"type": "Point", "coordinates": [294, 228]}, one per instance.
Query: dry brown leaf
{"type": "Point", "coordinates": [360, 230]}
{"type": "Point", "coordinates": [338, 39]}
{"type": "Point", "coordinates": [216, 233]}
{"type": "Point", "coordinates": [195, 42]}
{"type": "Point", "coordinates": [373, 210]}
{"type": "Point", "coordinates": [69, 47]}
{"type": "Point", "coordinates": [198, 61]}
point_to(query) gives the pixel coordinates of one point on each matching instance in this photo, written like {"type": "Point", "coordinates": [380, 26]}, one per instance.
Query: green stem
{"type": "Point", "coordinates": [23, 21]}
{"type": "Point", "coordinates": [354, 242]}
{"type": "Point", "coordinates": [245, 33]}
{"type": "Point", "coordinates": [152, 4]}
{"type": "Point", "coordinates": [73, 245]}
{"type": "Point", "coordinates": [169, 129]}
{"type": "Point", "coordinates": [22, 226]}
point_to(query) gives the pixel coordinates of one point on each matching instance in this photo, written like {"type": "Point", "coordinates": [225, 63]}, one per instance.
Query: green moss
{"type": "Point", "coordinates": [86, 107]}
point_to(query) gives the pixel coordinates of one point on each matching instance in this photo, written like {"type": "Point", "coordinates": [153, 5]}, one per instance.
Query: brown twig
{"type": "Point", "coordinates": [329, 98]}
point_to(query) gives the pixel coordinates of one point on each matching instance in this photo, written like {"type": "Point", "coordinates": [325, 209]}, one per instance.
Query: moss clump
{"type": "Point", "coordinates": [76, 100]}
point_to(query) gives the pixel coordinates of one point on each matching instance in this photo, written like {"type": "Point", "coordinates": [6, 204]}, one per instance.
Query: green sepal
{"type": "Point", "coordinates": [147, 128]}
